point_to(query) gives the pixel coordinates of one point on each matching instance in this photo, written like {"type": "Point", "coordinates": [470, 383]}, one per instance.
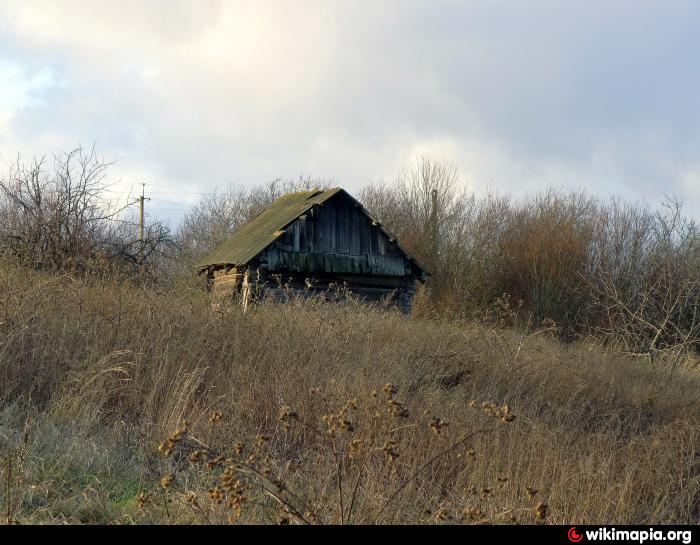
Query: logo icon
{"type": "Point", "coordinates": [573, 535]}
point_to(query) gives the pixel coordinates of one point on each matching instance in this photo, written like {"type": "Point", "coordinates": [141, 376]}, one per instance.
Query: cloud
{"type": "Point", "coordinates": [197, 94]}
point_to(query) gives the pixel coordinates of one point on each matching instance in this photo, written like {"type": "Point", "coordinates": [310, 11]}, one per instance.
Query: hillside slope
{"type": "Point", "coordinates": [408, 419]}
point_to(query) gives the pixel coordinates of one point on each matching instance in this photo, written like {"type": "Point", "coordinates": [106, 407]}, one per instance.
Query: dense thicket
{"type": "Point", "coordinates": [624, 272]}
{"type": "Point", "coordinates": [627, 273]}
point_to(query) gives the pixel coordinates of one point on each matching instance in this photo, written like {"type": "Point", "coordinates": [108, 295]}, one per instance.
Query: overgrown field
{"type": "Point", "coordinates": [123, 403]}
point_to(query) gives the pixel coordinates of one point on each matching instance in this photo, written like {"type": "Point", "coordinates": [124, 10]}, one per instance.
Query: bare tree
{"type": "Point", "coordinates": [406, 208]}
{"type": "Point", "coordinates": [59, 214]}
{"type": "Point", "coordinates": [626, 273]}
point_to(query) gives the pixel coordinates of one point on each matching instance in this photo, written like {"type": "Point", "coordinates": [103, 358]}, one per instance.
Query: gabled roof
{"type": "Point", "coordinates": [255, 236]}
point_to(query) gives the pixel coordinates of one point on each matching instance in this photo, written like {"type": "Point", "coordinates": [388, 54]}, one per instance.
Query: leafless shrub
{"type": "Point", "coordinates": [58, 215]}
{"type": "Point", "coordinates": [624, 273]}
{"type": "Point", "coordinates": [644, 279]}
{"type": "Point", "coordinates": [406, 208]}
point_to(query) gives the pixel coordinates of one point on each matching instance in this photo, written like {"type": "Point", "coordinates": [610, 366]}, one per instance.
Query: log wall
{"type": "Point", "coordinates": [258, 284]}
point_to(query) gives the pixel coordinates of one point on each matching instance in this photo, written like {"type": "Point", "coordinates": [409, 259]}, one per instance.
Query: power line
{"type": "Point", "coordinates": [176, 190]}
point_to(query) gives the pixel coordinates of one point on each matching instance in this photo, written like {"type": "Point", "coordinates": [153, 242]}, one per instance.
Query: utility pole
{"type": "Point", "coordinates": [434, 230]}
{"type": "Point", "coordinates": [142, 242]}
{"type": "Point", "coordinates": [434, 240]}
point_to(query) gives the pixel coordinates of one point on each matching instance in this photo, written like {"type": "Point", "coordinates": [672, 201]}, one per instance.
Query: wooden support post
{"type": "Point", "coordinates": [250, 282]}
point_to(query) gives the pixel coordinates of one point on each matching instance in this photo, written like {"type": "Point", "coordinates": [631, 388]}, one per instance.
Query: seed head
{"type": "Point", "coordinates": [214, 462]}
{"type": "Point", "coordinates": [397, 409]}
{"type": "Point", "coordinates": [166, 447]}
{"type": "Point", "coordinates": [389, 389]}
{"type": "Point", "coordinates": [197, 456]}
{"type": "Point", "coordinates": [143, 498]}
{"type": "Point", "coordinates": [390, 452]}
{"type": "Point", "coordinates": [541, 513]}
{"type": "Point", "coordinates": [355, 448]}
{"type": "Point", "coordinates": [287, 413]}
{"type": "Point", "coordinates": [191, 498]}
{"type": "Point", "coordinates": [216, 494]}
{"type": "Point", "coordinates": [166, 480]}
{"type": "Point", "coordinates": [437, 424]}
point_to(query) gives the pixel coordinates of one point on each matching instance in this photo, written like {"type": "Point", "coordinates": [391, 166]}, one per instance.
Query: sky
{"type": "Point", "coordinates": [189, 96]}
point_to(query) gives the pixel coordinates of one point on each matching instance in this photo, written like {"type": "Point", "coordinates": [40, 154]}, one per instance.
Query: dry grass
{"type": "Point", "coordinates": [96, 374]}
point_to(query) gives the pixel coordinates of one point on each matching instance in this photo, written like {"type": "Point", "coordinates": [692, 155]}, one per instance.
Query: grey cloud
{"type": "Point", "coordinates": [523, 94]}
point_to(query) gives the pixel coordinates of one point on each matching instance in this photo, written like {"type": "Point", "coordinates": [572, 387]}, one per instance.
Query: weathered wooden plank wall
{"type": "Point", "coordinates": [336, 238]}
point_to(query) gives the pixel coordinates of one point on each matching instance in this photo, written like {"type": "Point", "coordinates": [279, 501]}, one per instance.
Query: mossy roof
{"type": "Point", "coordinates": [255, 236]}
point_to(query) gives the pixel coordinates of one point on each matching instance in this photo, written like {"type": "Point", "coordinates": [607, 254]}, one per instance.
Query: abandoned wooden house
{"type": "Point", "coordinates": [313, 242]}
